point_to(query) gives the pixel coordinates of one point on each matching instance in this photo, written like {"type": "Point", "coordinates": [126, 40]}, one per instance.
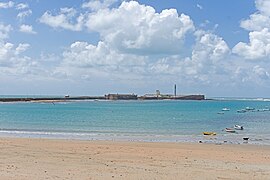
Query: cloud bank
{"type": "Point", "coordinates": [137, 44]}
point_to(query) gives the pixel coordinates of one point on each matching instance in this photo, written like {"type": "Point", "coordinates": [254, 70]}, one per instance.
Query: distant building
{"type": "Point", "coordinates": [121, 97]}
{"type": "Point", "coordinates": [157, 93]}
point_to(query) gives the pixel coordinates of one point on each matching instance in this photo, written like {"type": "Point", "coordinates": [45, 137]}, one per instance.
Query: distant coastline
{"type": "Point", "coordinates": [105, 97]}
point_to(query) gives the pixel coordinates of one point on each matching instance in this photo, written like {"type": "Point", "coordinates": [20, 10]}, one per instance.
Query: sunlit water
{"type": "Point", "coordinates": [170, 121]}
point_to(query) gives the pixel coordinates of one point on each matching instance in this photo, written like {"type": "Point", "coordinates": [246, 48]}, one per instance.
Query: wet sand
{"type": "Point", "coordinates": [69, 159]}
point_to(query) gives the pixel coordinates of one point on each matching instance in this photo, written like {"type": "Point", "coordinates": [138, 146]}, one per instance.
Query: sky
{"type": "Point", "coordinates": [94, 47]}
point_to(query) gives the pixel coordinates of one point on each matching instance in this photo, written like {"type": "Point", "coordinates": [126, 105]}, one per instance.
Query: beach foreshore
{"type": "Point", "coordinates": [28, 158]}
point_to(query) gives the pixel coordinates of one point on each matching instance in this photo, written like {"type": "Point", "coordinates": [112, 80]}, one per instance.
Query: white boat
{"type": "Point", "coordinates": [250, 108]}
{"type": "Point", "coordinates": [229, 130]}
{"type": "Point", "coordinates": [238, 127]}
{"type": "Point", "coordinates": [225, 109]}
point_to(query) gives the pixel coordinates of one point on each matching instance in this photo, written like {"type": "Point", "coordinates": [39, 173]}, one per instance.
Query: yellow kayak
{"type": "Point", "coordinates": [209, 133]}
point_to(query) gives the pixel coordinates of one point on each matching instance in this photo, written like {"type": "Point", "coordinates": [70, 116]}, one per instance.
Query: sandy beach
{"type": "Point", "coordinates": [68, 159]}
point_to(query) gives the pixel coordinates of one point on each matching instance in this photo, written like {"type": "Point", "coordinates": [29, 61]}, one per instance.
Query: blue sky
{"type": "Point", "coordinates": [90, 47]}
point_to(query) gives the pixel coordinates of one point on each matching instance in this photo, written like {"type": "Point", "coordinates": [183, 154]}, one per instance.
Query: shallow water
{"type": "Point", "coordinates": [169, 121]}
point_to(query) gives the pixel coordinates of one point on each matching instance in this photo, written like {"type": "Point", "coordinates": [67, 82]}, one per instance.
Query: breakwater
{"type": "Point", "coordinates": [51, 99]}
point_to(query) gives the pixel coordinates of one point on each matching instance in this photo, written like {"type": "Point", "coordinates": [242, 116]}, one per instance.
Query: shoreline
{"type": "Point", "coordinates": [138, 137]}
{"type": "Point", "coordinates": [28, 158]}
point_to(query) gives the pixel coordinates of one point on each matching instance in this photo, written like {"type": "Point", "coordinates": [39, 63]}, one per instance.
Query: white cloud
{"type": "Point", "coordinates": [9, 53]}
{"type": "Point", "coordinates": [21, 48]}
{"type": "Point", "coordinates": [21, 6]}
{"type": "Point", "coordinates": [263, 6]}
{"type": "Point", "coordinates": [205, 62]}
{"type": "Point", "coordinates": [5, 51]}
{"type": "Point", "coordinates": [84, 55]}
{"type": "Point", "coordinates": [95, 5]}
{"type": "Point", "coordinates": [65, 19]}
{"type": "Point", "coordinates": [14, 63]}
{"type": "Point", "coordinates": [69, 12]}
{"type": "Point", "coordinates": [209, 47]}
{"type": "Point", "coordinates": [261, 72]}
{"type": "Point", "coordinates": [258, 48]}
{"type": "Point", "coordinates": [199, 6]}
{"type": "Point", "coordinates": [258, 24]}
{"type": "Point", "coordinates": [135, 28]}
{"type": "Point", "coordinates": [24, 14]}
{"type": "Point", "coordinates": [134, 42]}
{"type": "Point", "coordinates": [4, 31]}
{"type": "Point", "coordinates": [27, 29]}
{"type": "Point", "coordinates": [260, 19]}
{"type": "Point", "coordinates": [6, 5]}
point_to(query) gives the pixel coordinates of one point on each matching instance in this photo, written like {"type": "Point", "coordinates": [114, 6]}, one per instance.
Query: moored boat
{"type": "Point", "coordinates": [241, 111]}
{"type": "Point", "coordinates": [209, 133]}
{"type": "Point", "coordinates": [250, 108]}
{"type": "Point", "coordinates": [225, 109]}
{"type": "Point", "coordinates": [230, 130]}
{"type": "Point", "coordinates": [238, 127]}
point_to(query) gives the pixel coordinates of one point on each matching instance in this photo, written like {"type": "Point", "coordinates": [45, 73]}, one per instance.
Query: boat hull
{"type": "Point", "coordinates": [209, 133]}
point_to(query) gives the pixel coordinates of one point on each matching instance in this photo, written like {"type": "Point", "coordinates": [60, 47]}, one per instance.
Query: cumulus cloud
{"type": "Point", "coordinates": [139, 43]}
{"type": "Point", "coordinates": [251, 75]}
{"type": "Point", "coordinates": [135, 42]}
{"type": "Point", "coordinates": [9, 52]}
{"type": "Point", "coordinates": [6, 5]}
{"type": "Point", "coordinates": [206, 60]}
{"type": "Point", "coordinates": [27, 29]}
{"type": "Point", "coordinates": [135, 28]}
{"type": "Point", "coordinates": [258, 48]}
{"type": "Point", "coordinates": [210, 46]}
{"type": "Point", "coordinates": [258, 24]}
{"type": "Point", "coordinates": [66, 19]}
{"type": "Point", "coordinates": [96, 5]}
{"type": "Point", "coordinates": [5, 51]}
{"type": "Point", "coordinates": [263, 6]}
{"type": "Point", "coordinates": [261, 72]}
{"type": "Point", "coordinates": [130, 28]}
{"type": "Point", "coordinates": [14, 62]}
{"type": "Point", "coordinates": [24, 14]}
{"type": "Point", "coordinates": [84, 55]}
{"type": "Point", "coordinates": [4, 31]}
{"type": "Point", "coordinates": [21, 48]}
{"type": "Point", "coordinates": [21, 6]}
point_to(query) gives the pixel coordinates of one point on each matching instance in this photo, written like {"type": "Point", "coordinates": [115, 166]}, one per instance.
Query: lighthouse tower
{"type": "Point", "coordinates": [175, 90]}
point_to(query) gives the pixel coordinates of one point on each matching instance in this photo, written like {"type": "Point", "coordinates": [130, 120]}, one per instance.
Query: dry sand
{"type": "Point", "coordinates": [66, 159]}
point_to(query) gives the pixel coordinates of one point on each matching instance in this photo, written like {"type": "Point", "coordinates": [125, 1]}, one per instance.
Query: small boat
{"type": "Point", "coordinates": [238, 127]}
{"type": "Point", "coordinates": [241, 111]}
{"type": "Point", "coordinates": [250, 108]}
{"type": "Point", "coordinates": [230, 130]}
{"type": "Point", "coordinates": [209, 133]}
{"type": "Point", "coordinates": [225, 109]}
{"type": "Point", "coordinates": [220, 113]}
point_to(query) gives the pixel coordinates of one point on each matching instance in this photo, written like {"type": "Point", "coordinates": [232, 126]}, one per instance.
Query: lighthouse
{"type": "Point", "coordinates": [175, 90]}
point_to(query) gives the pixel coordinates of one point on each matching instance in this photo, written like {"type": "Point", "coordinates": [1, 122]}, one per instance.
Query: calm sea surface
{"type": "Point", "coordinates": [170, 121]}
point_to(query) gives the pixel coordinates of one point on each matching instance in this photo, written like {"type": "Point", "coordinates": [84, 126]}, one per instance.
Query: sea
{"type": "Point", "coordinates": [149, 121]}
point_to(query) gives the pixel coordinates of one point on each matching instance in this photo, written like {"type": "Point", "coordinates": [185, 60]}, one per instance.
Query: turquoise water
{"type": "Point", "coordinates": [136, 120]}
